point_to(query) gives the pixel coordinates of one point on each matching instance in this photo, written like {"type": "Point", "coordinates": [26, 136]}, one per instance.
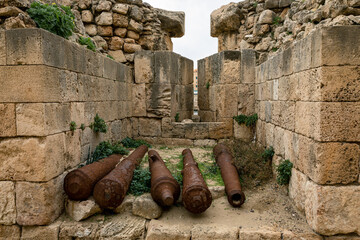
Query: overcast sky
{"type": "Point", "coordinates": [197, 42]}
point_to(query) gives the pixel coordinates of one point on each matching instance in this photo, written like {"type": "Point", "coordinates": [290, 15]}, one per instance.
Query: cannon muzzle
{"type": "Point", "coordinates": [79, 184]}
{"type": "Point", "coordinates": [196, 195]}
{"type": "Point", "coordinates": [110, 191]}
{"type": "Point", "coordinates": [229, 174]}
{"type": "Point", "coordinates": [165, 190]}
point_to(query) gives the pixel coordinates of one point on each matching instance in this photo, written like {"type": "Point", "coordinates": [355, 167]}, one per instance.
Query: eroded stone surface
{"type": "Point", "coordinates": [7, 203]}
{"type": "Point", "coordinates": [144, 206]}
{"type": "Point", "coordinates": [79, 210]}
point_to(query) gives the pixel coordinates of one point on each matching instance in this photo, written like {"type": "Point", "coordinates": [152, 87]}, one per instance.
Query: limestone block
{"type": "Point", "coordinates": [338, 46]}
{"type": "Point", "coordinates": [39, 203]}
{"type": "Point", "coordinates": [307, 117]}
{"type": "Point", "coordinates": [248, 62]}
{"type": "Point", "coordinates": [144, 206]}
{"type": "Point", "coordinates": [279, 145]}
{"type": "Point", "coordinates": [231, 71]}
{"type": "Point", "coordinates": [143, 67]}
{"type": "Point", "coordinates": [302, 55]}
{"type": "Point", "coordinates": [241, 131]}
{"type": "Point", "coordinates": [9, 232]}
{"type": "Point", "coordinates": [133, 35]}
{"type": "Point", "coordinates": [269, 4]}
{"type": "Point", "coordinates": [164, 62]}
{"type": "Point", "coordinates": [197, 130]}
{"type": "Point", "coordinates": [333, 210]}
{"type": "Point", "coordinates": [328, 163]}
{"type": "Point", "coordinates": [297, 187]}
{"type": "Point", "coordinates": [283, 114]}
{"type": "Point", "coordinates": [221, 130]}
{"type": "Point", "coordinates": [41, 232]}
{"type": "Point", "coordinates": [72, 148]}
{"type": "Point", "coordinates": [81, 230]}
{"type": "Point", "coordinates": [104, 19]}
{"type": "Point", "coordinates": [226, 107]}
{"type": "Point", "coordinates": [204, 142]}
{"type": "Point", "coordinates": [110, 72]}
{"type": "Point", "coordinates": [126, 205]}
{"type": "Point", "coordinates": [118, 56]}
{"type": "Point", "coordinates": [120, 20]}
{"type": "Point", "coordinates": [116, 43]}
{"type": "Point", "coordinates": [172, 22]}
{"type": "Point", "coordinates": [123, 226]}
{"type": "Point", "coordinates": [287, 88]}
{"type": "Point", "coordinates": [80, 210]}
{"type": "Point", "coordinates": [255, 234]}
{"type": "Point", "coordinates": [138, 100]}
{"type": "Point", "coordinates": [7, 118]}
{"type": "Point", "coordinates": [276, 66]}
{"type": "Point", "coordinates": [38, 119]}
{"type": "Point", "coordinates": [203, 98]}
{"type": "Point", "coordinates": [121, 32]}
{"type": "Point", "coordinates": [260, 132]}
{"type": "Point", "coordinates": [291, 146]}
{"type": "Point", "coordinates": [105, 31]}
{"type": "Point", "coordinates": [246, 99]}
{"type": "Point", "coordinates": [225, 19]}
{"type": "Point", "coordinates": [121, 8]}
{"type": "Point", "coordinates": [87, 16]}
{"type": "Point", "coordinates": [343, 237]}
{"type": "Point", "coordinates": [103, 5]}
{"type": "Point", "coordinates": [32, 159]}
{"type": "Point", "coordinates": [149, 127]}
{"type": "Point", "coordinates": [39, 84]}
{"type": "Point", "coordinates": [214, 232]}
{"type": "Point", "coordinates": [158, 99]}
{"type": "Point", "coordinates": [75, 57]}
{"type": "Point", "coordinates": [7, 203]}
{"type": "Point", "coordinates": [2, 48]}
{"type": "Point", "coordinates": [266, 17]}
{"type": "Point", "coordinates": [186, 74]}
{"type": "Point", "coordinates": [94, 65]}
{"type": "Point", "coordinates": [41, 47]}
{"type": "Point", "coordinates": [287, 235]}
{"type": "Point", "coordinates": [159, 231]}
{"type": "Point", "coordinates": [269, 131]}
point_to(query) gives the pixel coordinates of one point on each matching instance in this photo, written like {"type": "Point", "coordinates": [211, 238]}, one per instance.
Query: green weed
{"type": "Point", "coordinates": [249, 121]}
{"type": "Point", "coordinates": [98, 125]}
{"type": "Point", "coordinates": [284, 172]}
{"type": "Point", "coordinates": [268, 154]}
{"type": "Point", "coordinates": [141, 182]}
{"type": "Point", "coordinates": [88, 43]}
{"type": "Point", "coordinates": [72, 126]}
{"type": "Point", "coordinates": [105, 149]}
{"type": "Point", "coordinates": [132, 143]}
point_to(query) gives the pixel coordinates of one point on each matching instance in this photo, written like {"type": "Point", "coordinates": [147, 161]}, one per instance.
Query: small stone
{"type": "Point", "coordinates": [100, 42]}
{"type": "Point", "coordinates": [7, 203]}
{"type": "Point", "coordinates": [217, 191]}
{"type": "Point", "coordinates": [126, 205]}
{"type": "Point", "coordinates": [79, 210]}
{"type": "Point", "coordinates": [133, 35]}
{"type": "Point", "coordinates": [131, 48]}
{"type": "Point", "coordinates": [135, 26]}
{"type": "Point", "coordinates": [227, 18]}
{"type": "Point", "coordinates": [120, 20]}
{"type": "Point", "coordinates": [10, 11]}
{"type": "Point", "coordinates": [130, 57]}
{"type": "Point", "coordinates": [103, 6]}
{"type": "Point", "coordinates": [104, 19]}
{"type": "Point", "coordinates": [121, 32]}
{"type": "Point", "coordinates": [87, 16]}
{"type": "Point", "coordinates": [105, 31]}
{"type": "Point", "coordinates": [157, 230]}
{"type": "Point", "coordinates": [267, 17]}
{"type": "Point", "coordinates": [13, 23]}
{"type": "Point", "coordinates": [144, 206]}
{"type": "Point", "coordinates": [116, 43]}
{"type": "Point", "coordinates": [130, 40]}
{"type": "Point", "coordinates": [136, 13]}
{"type": "Point", "coordinates": [91, 29]}
{"type": "Point", "coordinates": [121, 8]}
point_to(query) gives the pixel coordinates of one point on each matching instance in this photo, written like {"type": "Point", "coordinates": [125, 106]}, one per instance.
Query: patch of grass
{"type": "Point", "coordinates": [211, 171]}
{"type": "Point", "coordinates": [111, 57]}
{"type": "Point", "coordinates": [72, 126]}
{"type": "Point", "coordinates": [132, 143]}
{"type": "Point", "coordinates": [105, 149]}
{"type": "Point", "coordinates": [249, 121]}
{"type": "Point", "coordinates": [54, 18]}
{"type": "Point", "coordinates": [274, 49]}
{"type": "Point", "coordinates": [88, 43]}
{"type": "Point", "coordinates": [141, 182]}
{"type": "Point", "coordinates": [276, 20]}
{"type": "Point", "coordinates": [165, 148]}
{"type": "Point", "coordinates": [268, 154]}
{"type": "Point", "coordinates": [284, 172]}
{"type": "Point", "coordinates": [98, 125]}
{"type": "Point", "coordinates": [253, 170]}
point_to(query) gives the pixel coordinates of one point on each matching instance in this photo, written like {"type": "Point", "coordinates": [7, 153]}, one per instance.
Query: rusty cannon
{"type": "Point", "coordinates": [196, 196]}
{"type": "Point", "coordinates": [229, 174]}
{"type": "Point", "coordinates": [165, 190]}
{"type": "Point", "coordinates": [110, 191]}
{"type": "Point", "coordinates": [79, 184]}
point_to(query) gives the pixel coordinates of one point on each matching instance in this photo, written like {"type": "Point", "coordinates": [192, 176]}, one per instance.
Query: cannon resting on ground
{"type": "Point", "coordinates": [229, 174]}
{"type": "Point", "coordinates": [196, 196]}
{"type": "Point", "coordinates": [79, 184]}
{"type": "Point", "coordinates": [165, 190]}
{"type": "Point", "coordinates": [110, 191]}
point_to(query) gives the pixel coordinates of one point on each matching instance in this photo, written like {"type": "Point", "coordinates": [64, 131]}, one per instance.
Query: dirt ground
{"type": "Point", "coordinates": [267, 204]}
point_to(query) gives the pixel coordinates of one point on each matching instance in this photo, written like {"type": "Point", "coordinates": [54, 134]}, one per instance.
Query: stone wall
{"type": "Point", "coordinates": [308, 102]}
{"type": "Point", "coordinates": [272, 25]}
{"type": "Point", "coordinates": [226, 89]}
{"type": "Point", "coordinates": [47, 82]}
{"type": "Point", "coordinates": [118, 28]}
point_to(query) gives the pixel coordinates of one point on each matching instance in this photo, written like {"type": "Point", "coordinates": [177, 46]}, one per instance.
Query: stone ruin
{"type": "Point", "coordinates": [294, 63]}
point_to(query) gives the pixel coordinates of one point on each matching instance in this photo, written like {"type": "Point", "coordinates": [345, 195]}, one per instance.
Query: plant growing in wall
{"type": "Point", "coordinates": [105, 149]}
{"type": "Point", "coordinates": [53, 18]}
{"type": "Point", "coordinates": [72, 126]}
{"type": "Point", "coordinates": [177, 117]}
{"type": "Point", "coordinates": [207, 85]}
{"type": "Point", "coordinates": [82, 126]}
{"type": "Point", "coordinates": [284, 172]}
{"type": "Point", "coordinates": [98, 125]}
{"type": "Point", "coordinates": [268, 154]}
{"type": "Point", "coordinates": [276, 20]}
{"type": "Point", "coordinates": [131, 143]}
{"type": "Point", "coordinates": [249, 121]}
{"type": "Point", "coordinates": [88, 43]}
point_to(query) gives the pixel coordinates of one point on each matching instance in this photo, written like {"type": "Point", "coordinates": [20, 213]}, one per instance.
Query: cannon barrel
{"type": "Point", "coordinates": [110, 191]}
{"type": "Point", "coordinates": [196, 195]}
{"type": "Point", "coordinates": [165, 190]}
{"type": "Point", "coordinates": [79, 183]}
{"type": "Point", "coordinates": [229, 174]}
